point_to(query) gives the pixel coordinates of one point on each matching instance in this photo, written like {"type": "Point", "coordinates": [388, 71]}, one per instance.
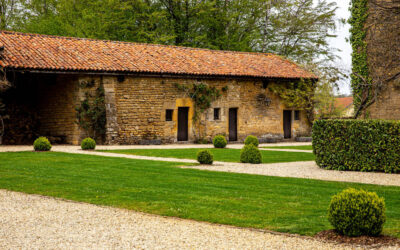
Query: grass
{"type": "Point", "coordinates": [225, 155]}
{"type": "Point", "coordinates": [280, 204]}
{"type": "Point", "coordinates": [305, 147]}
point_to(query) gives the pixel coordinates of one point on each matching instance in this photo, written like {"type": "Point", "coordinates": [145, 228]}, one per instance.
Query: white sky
{"type": "Point", "coordinates": [340, 42]}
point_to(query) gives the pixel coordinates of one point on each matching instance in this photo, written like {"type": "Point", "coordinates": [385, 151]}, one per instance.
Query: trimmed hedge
{"type": "Point", "coordinates": [357, 212]}
{"type": "Point", "coordinates": [219, 141]}
{"type": "Point", "coordinates": [205, 157]}
{"type": "Point", "coordinates": [42, 144]}
{"type": "Point", "coordinates": [250, 154]}
{"type": "Point", "coordinates": [88, 144]}
{"type": "Point", "coordinates": [251, 139]}
{"type": "Point", "coordinates": [357, 145]}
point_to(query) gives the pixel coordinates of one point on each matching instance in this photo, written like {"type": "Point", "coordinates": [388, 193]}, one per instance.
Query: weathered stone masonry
{"type": "Point", "coordinates": [136, 108]}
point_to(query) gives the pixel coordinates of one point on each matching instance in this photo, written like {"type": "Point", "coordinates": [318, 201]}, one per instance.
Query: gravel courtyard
{"type": "Point", "coordinates": [37, 222]}
{"type": "Point", "coordinates": [33, 221]}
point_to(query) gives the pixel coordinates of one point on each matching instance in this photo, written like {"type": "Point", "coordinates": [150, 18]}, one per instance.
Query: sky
{"type": "Point", "coordinates": [340, 42]}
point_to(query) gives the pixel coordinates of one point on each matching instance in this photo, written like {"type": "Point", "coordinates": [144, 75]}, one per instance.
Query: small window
{"type": "Point", "coordinates": [217, 112]}
{"type": "Point", "coordinates": [297, 115]}
{"type": "Point", "coordinates": [168, 114]}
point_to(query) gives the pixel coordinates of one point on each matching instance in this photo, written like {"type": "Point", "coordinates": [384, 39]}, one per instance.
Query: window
{"type": "Point", "coordinates": [168, 114]}
{"type": "Point", "coordinates": [297, 115]}
{"type": "Point", "coordinates": [217, 112]}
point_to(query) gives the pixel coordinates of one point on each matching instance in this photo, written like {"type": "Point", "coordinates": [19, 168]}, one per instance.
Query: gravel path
{"type": "Point", "coordinates": [37, 222]}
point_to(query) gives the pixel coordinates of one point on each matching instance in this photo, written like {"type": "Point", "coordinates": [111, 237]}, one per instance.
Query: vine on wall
{"type": "Point", "coordinates": [360, 80]}
{"type": "Point", "coordinates": [297, 95]}
{"type": "Point", "coordinates": [91, 113]}
{"type": "Point", "coordinates": [202, 96]}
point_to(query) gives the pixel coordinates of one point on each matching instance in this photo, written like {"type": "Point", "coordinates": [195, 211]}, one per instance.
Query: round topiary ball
{"type": "Point", "coordinates": [250, 154]}
{"type": "Point", "coordinates": [357, 212]}
{"type": "Point", "coordinates": [88, 144]}
{"type": "Point", "coordinates": [219, 141]}
{"type": "Point", "coordinates": [251, 139]}
{"type": "Point", "coordinates": [42, 144]}
{"type": "Point", "coordinates": [205, 157]}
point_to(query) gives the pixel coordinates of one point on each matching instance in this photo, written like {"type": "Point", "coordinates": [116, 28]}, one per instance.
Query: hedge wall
{"type": "Point", "coordinates": [357, 145]}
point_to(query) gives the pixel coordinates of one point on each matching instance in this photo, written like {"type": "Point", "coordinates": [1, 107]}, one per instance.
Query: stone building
{"type": "Point", "coordinates": [146, 89]}
{"type": "Point", "coordinates": [383, 57]}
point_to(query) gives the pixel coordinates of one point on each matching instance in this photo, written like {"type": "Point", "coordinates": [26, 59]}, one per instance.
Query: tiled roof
{"type": "Point", "coordinates": [43, 52]}
{"type": "Point", "coordinates": [343, 102]}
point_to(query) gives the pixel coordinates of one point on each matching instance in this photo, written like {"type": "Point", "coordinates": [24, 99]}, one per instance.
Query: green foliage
{"type": "Point", "coordinates": [219, 141]}
{"type": "Point", "coordinates": [41, 144]}
{"type": "Point", "coordinates": [251, 140]}
{"type": "Point", "coordinates": [359, 14]}
{"type": "Point", "coordinates": [298, 95]}
{"type": "Point", "coordinates": [205, 157]}
{"type": "Point", "coordinates": [250, 154]}
{"type": "Point", "coordinates": [357, 212]}
{"type": "Point", "coordinates": [357, 145]}
{"type": "Point", "coordinates": [91, 114]}
{"type": "Point", "coordinates": [88, 144]}
{"type": "Point", "coordinates": [201, 94]}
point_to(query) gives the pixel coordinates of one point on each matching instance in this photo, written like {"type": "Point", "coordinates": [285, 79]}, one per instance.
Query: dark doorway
{"type": "Point", "coordinates": [233, 124]}
{"type": "Point", "coordinates": [287, 124]}
{"type": "Point", "coordinates": [183, 117]}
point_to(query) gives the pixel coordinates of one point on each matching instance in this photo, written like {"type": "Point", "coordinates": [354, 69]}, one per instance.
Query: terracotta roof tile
{"type": "Point", "coordinates": [343, 102]}
{"type": "Point", "coordinates": [43, 52]}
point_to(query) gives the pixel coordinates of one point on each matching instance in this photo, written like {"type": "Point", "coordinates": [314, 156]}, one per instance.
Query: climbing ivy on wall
{"type": "Point", "coordinates": [202, 96]}
{"type": "Point", "coordinates": [91, 113]}
{"type": "Point", "coordinates": [360, 74]}
{"type": "Point", "coordinates": [299, 94]}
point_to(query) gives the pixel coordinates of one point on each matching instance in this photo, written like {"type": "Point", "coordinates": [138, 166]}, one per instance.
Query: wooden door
{"type": "Point", "coordinates": [233, 124]}
{"type": "Point", "coordinates": [287, 124]}
{"type": "Point", "coordinates": [183, 124]}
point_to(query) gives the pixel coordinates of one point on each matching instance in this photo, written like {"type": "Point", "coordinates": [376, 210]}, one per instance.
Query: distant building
{"type": "Point", "coordinates": [345, 106]}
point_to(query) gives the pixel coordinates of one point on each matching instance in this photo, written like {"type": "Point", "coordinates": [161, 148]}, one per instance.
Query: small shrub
{"type": "Point", "coordinates": [357, 212]}
{"type": "Point", "coordinates": [219, 141]}
{"type": "Point", "coordinates": [251, 139]}
{"type": "Point", "coordinates": [88, 143]}
{"type": "Point", "coordinates": [42, 144]}
{"type": "Point", "coordinates": [205, 157]}
{"type": "Point", "coordinates": [250, 154]}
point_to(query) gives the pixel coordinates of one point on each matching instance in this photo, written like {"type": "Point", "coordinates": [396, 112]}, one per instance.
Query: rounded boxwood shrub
{"type": "Point", "coordinates": [88, 143]}
{"type": "Point", "coordinates": [205, 157]}
{"type": "Point", "coordinates": [42, 144]}
{"type": "Point", "coordinates": [251, 139]}
{"type": "Point", "coordinates": [219, 141]}
{"type": "Point", "coordinates": [250, 154]}
{"type": "Point", "coordinates": [357, 212]}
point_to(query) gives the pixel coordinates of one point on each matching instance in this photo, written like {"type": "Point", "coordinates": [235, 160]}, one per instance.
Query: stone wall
{"type": "Point", "coordinates": [383, 50]}
{"type": "Point", "coordinates": [139, 105]}
{"type": "Point", "coordinates": [56, 102]}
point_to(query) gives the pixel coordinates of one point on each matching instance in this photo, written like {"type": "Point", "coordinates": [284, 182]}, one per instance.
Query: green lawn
{"type": "Point", "coordinates": [305, 147]}
{"type": "Point", "coordinates": [226, 155]}
{"type": "Point", "coordinates": [274, 203]}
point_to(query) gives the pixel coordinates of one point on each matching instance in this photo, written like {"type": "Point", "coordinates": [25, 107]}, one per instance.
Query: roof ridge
{"type": "Point", "coordinates": [138, 43]}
